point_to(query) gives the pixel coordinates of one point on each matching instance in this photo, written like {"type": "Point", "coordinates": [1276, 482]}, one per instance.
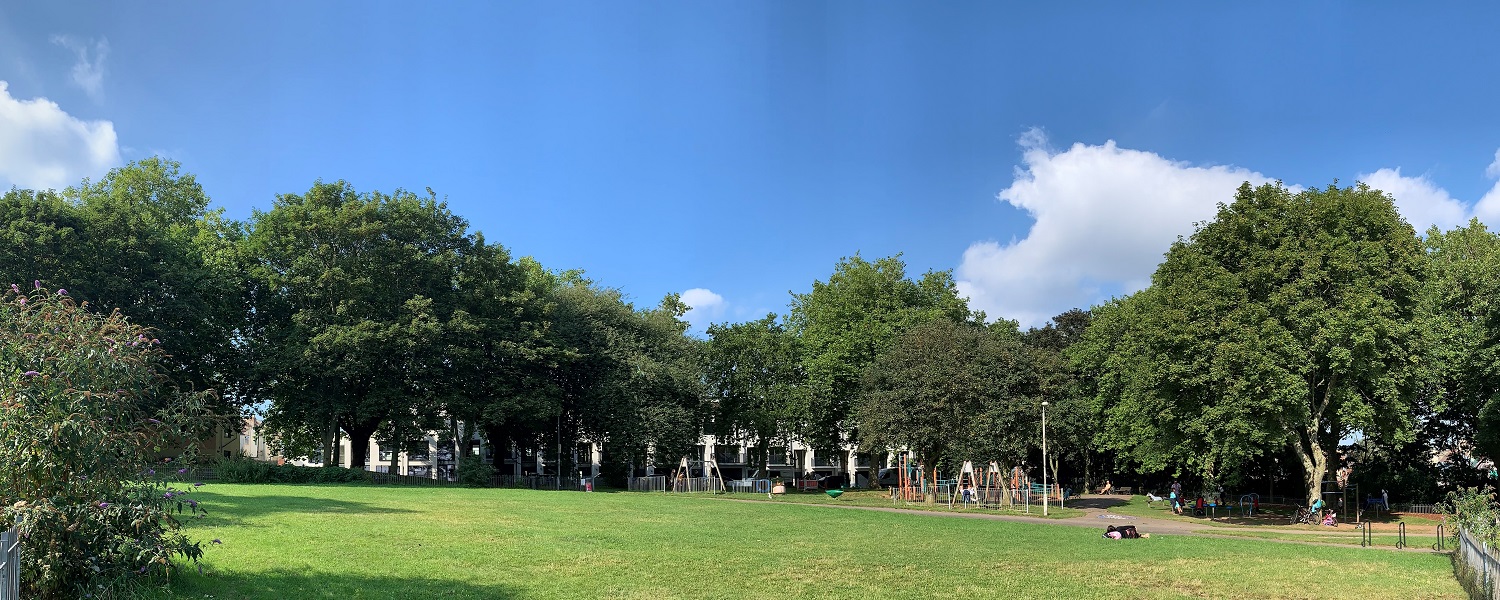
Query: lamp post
{"type": "Point", "coordinates": [1045, 489]}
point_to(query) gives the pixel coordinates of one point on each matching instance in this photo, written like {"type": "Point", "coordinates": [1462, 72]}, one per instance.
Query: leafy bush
{"type": "Point", "coordinates": [1473, 510]}
{"type": "Point", "coordinates": [85, 415]}
{"type": "Point", "coordinates": [474, 473]}
{"type": "Point", "coordinates": [244, 470]}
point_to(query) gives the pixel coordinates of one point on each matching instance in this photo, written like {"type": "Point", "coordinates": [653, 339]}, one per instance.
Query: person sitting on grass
{"type": "Point", "coordinates": [1199, 507]}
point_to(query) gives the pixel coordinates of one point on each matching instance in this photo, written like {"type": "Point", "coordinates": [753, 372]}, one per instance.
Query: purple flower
{"type": "Point", "coordinates": [216, 541]}
{"type": "Point", "coordinates": [31, 373]}
{"type": "Point", "coordinates": [199, 484]}
{"type": "Point", "coordinates": [155, 341]}
{"type": "Point", "coordinates": [37, 283]}
{"type": "Point", "coordinates": [193, 503]}
{"type": "Point", "coordinates": [150, 471]}
{"type": "Point", "coordinates": [153, 422]}
{"type": "Point", "coordinates": [167, 495]}
{"type": "Point", "coordinates": [62, 292]}
{"type": "Point", "coordinates": [15, 288]}
{"type": "Point", "coordinates": [22, 300]}
{"type": "Point", "coordinates": [103, 505]}
{"type": "Point", "coordinates": [181, 471]}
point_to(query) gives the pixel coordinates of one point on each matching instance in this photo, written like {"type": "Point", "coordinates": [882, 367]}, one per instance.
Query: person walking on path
{"type": "Point", "coordinates": [1177, 497]}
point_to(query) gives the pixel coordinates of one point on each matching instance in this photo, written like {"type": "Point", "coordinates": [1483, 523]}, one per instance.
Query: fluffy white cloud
{"type": "Point", "coordinates": [706, 307]}
{"type": "Point", "coordinates": [42, 146]}
{"type": "Point", "coordinates": [1104, 216]}
{"type": "Point", "coordinates": [88, 71]}
{"type": "Point", "coordinates": [1488, 207]}
{"type": "Point", "coordinates": [1421, 201]}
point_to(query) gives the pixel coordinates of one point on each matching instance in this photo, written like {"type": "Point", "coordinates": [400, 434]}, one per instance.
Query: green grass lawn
{"type": "Point", "coordinates": [286, 542]}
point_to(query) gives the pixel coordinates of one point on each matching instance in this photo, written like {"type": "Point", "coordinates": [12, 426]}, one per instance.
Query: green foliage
{"type": "Point", "coordinates": [352, 294]}
{"type": "Point", "coordinates": [1473, 510]}
{"type": "Point", "coordinates": [1288, 321]}
{"type": "Point", "coordinates": [141, 240]}
{"type": "Point", "coordinates": [1462, 318]}
{"type": "Point", "coordinates": [475, 473]}
{"type": "Point", "coordinates": [846, 322]}
{"type": "Point", "coordinates": [754, 372]}
{"type": "Point", "coordinates": [952, 392]}
{"type": "Point", "coordinates": [85, 412]}
{"type": "Point", "coordinates": [244, 470]}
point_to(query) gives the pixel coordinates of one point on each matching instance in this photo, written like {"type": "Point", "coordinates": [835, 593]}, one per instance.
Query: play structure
{"type": "Point", "coordinates": [911, 485]}
{"type": "Point", "coordinates": [965, 487]}
{"type": "Point", "coordinates": [709, 478]}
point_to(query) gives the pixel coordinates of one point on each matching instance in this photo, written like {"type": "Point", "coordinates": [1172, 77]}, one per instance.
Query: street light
{"type": "Point", "coordinates": [1045, 489]}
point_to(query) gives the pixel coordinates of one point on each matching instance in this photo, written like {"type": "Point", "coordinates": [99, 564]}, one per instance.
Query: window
{"type": "Point", "coordinates": [727, 454]}
{"type": "Point", "coordinates": [385, 454]}
{"type": "Point", "coordinates": [778, 455]}
{"type": "Point", "coordinates": [420, 471]}
{"type": "Point", "coordinates": [826, 459]}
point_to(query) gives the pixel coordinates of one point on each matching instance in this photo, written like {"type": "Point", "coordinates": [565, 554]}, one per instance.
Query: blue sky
{"type": "Point", "coordinates": [1047, 154]}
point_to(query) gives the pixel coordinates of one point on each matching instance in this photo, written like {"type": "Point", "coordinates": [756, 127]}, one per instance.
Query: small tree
{"type": "Point", "coordinates": [85, 414]}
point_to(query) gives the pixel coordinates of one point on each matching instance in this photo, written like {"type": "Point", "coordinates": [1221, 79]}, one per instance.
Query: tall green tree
{"type": "Point", "coordinates": [849, 320]}
{"type": "Point", "coordinates": [754, 375]}
{"type": "Point", "coordinates": [141, 240]}
{"type": "Point", "coordinates": [350, 292]}
{"type": "Point", "coordinates": [1463, 321]}
{"type": "Point", "coordinates": [1290, 320]}
{"type": "Point", "coordinates": [951, 392]}
{"type": "Point", "coordinates": [1073, 416]}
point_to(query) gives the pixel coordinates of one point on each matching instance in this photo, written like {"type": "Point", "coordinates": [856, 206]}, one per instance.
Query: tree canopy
{"type": "Point", "coordinates": [1288, 321]}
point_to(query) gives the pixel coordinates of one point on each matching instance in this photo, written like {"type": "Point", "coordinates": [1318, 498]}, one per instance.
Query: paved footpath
{"type": "Point", "coordinates": [1097, 516]}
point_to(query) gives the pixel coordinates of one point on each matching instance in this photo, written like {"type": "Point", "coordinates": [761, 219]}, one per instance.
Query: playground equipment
{"type": "Point", "coordinates": [965, 488]}
{"type": "Point", "coordinates": [710, 479]}
{"type": "Point", "coordinates": [911, 485]}
{"type": "Point", "coordinates": [1249, 503]}
{"type": "Point", "coordinates": [991, 488]}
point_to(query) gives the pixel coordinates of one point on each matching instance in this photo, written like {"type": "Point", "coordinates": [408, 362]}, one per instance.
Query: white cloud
{"type": "Point", "coordinates": [1488, 207]}
{"type": "Point", "coordinates": [1104, 217]}
{"type": "Point", "coordinates": [88, 72]}
{"type": "Point", "coordinates": [1421, 201]}
{"type": "Point", "coordinates": [706, 307]}
{"type": "Point", "coordinates": [42, 146]}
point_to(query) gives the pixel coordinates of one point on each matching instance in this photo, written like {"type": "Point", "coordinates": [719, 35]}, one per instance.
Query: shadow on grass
{"type": "Point", "coordinates": [1099, 502]}
{"type": "Point", "coordinates": [289, 585]}
{"type": "Point", "coordinates": [239, 507]}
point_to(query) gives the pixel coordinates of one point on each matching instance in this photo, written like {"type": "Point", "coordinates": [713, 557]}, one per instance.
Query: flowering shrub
{"type": "Point", "coordinates": [1473, 510]}
{"type": "Point", "coordinates": [85, 419]}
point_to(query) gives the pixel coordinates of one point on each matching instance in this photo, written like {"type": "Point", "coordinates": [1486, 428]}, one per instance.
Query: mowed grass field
{"type": "Point", "coordinates": [287, 542]}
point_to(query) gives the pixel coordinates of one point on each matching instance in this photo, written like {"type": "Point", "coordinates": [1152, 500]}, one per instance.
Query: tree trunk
{"type": "Point", "coordinates": [396, 445]}
{"type": "Point", "coordinates": [331, 444]}
{"type": "Point", "coordinates": [1314, 461]}
{"type": "Point", "coordinates": [1309, 446]}
{"type": "Point", "coordinates": [359, 443]}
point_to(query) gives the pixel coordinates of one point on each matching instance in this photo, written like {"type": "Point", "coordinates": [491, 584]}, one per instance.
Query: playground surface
{"type": "Point", "coordinates": [353, 541]}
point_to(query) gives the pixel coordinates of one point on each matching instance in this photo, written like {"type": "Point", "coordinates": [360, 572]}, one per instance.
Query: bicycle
{"type": "Point", "coordinates": [1302, 517]}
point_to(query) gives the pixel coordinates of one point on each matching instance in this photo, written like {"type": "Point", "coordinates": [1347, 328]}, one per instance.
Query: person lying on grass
{"type": "Point", "coordinates": [1126, 532]}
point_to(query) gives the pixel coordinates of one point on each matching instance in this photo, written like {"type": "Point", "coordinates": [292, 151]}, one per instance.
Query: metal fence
{"type": "Point", "coordinates": [10, 564]}
{"type": "Point", "coordinates": [655, 483]}
{"type": "Point", "coordinates": [698, 484]}
{"type": "Point", "coordinates": [1476, 567]}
